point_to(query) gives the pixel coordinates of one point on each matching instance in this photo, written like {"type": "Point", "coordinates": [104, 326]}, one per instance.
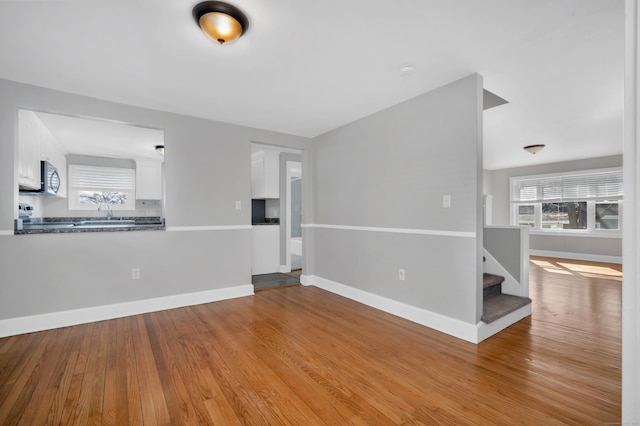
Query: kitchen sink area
{"type": "Point", "coordinates": [87, 224]}
{"type": "Point", "coordinates": [79, 175]}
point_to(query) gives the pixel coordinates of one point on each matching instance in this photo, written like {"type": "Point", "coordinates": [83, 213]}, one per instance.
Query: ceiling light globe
{"type": "Point", "coordinates": [220, 21]}
{"type": "Point", "coordinates": [220, 27]}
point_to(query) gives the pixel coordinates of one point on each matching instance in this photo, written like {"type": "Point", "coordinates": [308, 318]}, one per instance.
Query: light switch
{"type": "Point", "coordinates": [238, 205]}
{"type": "Point", "coordinates": [446, 201]}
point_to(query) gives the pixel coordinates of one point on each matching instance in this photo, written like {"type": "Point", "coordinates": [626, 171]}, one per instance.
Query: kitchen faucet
{"type": "Point", "coordinates": [109, 212]}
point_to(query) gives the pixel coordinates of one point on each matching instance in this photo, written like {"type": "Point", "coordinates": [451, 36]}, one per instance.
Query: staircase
{"type": "Point", "coordinates": [496, 304]}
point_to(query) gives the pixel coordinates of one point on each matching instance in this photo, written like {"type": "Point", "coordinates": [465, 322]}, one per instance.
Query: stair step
{"type": "Point", "coordinates": [491, 285]}
{"type": "Point", "coordinates": [498, 306]}
{"type": "Point", "coordinates": [489, 280]}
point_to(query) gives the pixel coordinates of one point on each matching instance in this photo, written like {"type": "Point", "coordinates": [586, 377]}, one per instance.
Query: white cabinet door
{"type": "Point", "coordinates": [28, 150]}
{"type": "Point", "coordinates": [257, 176]}
{"type": "Point", "coordinates": [148, 180]}
{"type": "Point", "coordinates": [265, 250]}
{"type": "Point", "coordinates": [36, 143]}
{"type": "Point", "coordinates": [265, 174]}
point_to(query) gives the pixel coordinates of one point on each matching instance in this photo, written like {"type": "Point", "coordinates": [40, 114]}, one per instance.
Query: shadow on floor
{"type": "Point", "coordinates": [268, 281]}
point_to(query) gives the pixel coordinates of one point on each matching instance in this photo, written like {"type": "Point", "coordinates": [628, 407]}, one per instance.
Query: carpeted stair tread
{"type": "Point", "coordinates": [498, 306]}
{"type": "Point", "coordinates": [491, 285]}
{"type": "Point", "coordinates": [489, 280]}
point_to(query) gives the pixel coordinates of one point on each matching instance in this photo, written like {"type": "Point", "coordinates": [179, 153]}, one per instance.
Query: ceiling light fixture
{"type": "Point", "coordinates": [406, 70]}
{"type": "Point", "coordinates": [533, 149]}
{"type": "Point", "coordinates": [221, 21]}
{"type": "Point", "coordinates": [160, 149]}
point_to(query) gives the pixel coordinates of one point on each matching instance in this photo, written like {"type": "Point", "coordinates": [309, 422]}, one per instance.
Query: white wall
{"type": "Point", "coordinates": [208, 242]}
{"type": "Point", "coordinates": [631, 277]}
{"type": "Point", "coordinates": [585, 247]}
{"type": "Point", "coordinates": [377, 203]}
{"type": "Point", "coordinates": [487, 182]}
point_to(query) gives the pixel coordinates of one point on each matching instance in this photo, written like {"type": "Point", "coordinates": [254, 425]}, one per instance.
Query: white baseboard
{"type": "Point", "coordinates": [284, 269]}
{"type": "Point", "coordinates": [306, 279]}
{"type": "Point", "coordinates": [577, 256]}
{"type": "Point", "coordinates": [487, 330]}
{"type": "Point", "coordinates": [29, 324]}
{"type": "Point", "coordinates": [448, 325]}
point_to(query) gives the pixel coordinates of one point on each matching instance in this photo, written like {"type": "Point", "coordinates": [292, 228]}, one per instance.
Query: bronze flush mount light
{"type": "Point", "coordinates": [533, 149]}
{"type": "Point", "coordinates": [220, 21]}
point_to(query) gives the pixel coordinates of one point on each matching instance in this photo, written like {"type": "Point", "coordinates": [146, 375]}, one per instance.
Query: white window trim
{"type": "Point", "coordinates": [572, 173]}
{"type": "Point", "coordinates": [577, 233]}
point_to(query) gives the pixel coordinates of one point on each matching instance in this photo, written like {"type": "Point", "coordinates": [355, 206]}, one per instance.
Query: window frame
{"type": "Point", "coordinates": [73, 193]}
{"type": "Point", "coordinates": [591, 229]}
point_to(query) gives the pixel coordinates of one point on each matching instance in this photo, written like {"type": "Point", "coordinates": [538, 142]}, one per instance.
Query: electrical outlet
{"type": "Point", "coordinates": [238, 205]}
{"type": "Point", "coordinates": [446, 201]}
{"type": "Point", "coordinates": [135, 274]}
{"type": "Point", "coordinates": [401, 275]}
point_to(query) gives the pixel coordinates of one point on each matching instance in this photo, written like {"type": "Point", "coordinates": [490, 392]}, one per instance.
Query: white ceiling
{"type": "Point", "coordinates": [103, 138]}
{"type": "Point", "coordinates": [306, 67]}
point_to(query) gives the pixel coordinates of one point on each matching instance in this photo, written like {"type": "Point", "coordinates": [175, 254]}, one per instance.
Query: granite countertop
{"type": "Point", "coordinates": [64, 225]}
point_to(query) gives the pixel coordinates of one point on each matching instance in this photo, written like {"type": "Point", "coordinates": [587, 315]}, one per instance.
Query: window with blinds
{"type": "Point", "coordinates": [603, 185]}
{"type": "Point", "coordinates": [93, 187]}
{"type": "Point", "coordinates": [584, 201]}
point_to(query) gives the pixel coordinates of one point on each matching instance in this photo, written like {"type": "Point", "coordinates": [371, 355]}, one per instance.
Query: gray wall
{"type": "Point", "coordinates": [595, 246]}
{"type": "Point", "coordinates": [504, 246]}
{"type": "Point", "coordinates": [570, 244]}
{"type": "Point", "coordinates": [390, 170]}
{"type": "Point", "coordinates": [296, 207]}
{"type": "Point", "coordinates": [207, 169]}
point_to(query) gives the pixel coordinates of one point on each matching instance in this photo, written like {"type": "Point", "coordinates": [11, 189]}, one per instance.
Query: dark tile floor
{"type": "Point", "coordinates": [267, 281]}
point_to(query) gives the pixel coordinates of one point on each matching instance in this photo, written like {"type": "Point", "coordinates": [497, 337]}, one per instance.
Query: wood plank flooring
{"type": "Point", "coordinates": [301, 355]}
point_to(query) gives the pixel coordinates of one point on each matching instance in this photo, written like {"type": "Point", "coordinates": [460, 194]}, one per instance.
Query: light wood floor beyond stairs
{"type": "Point", "coordinates": [303, 356]}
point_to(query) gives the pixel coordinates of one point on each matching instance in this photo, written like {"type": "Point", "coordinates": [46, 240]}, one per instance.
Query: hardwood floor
{"type": "Point", "coordinates": [301, 355]}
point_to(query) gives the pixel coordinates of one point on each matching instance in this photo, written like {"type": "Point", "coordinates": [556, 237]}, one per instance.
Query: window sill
{"type": "Point", "coordinates": [589, 234]}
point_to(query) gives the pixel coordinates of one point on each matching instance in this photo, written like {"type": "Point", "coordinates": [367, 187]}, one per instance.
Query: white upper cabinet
{"type": "Point", "coordinates": [148, 180]}
{"type": "Point", "coordinates": [29, 136]}
{"type": "Point", "coordinates": [265, 174]}
{"type": "Point", "coordinates": [36, 143]}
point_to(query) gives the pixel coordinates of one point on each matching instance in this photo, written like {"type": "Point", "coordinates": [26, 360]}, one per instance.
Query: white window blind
{"type": "Point", "coordinates": [92, 187]}
{"type": "Point", "coordinates": [594, 185]}
{"type": "Point", "coordinates": [101, 178]}
{"type": "Point", "coordinates": [605, 185]}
